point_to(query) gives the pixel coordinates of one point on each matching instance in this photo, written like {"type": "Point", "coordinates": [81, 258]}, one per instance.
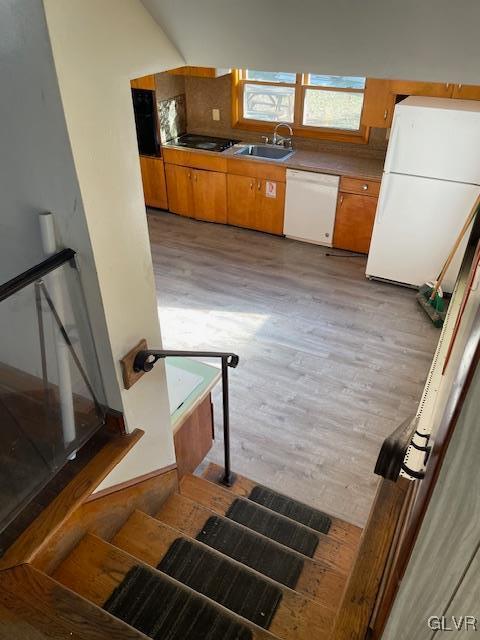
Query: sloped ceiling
{"type": "Point", "coordinates": [409, 39]}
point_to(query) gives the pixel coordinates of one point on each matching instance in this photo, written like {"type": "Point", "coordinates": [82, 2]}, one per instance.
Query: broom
{"type": "Point", "coordinates": [429, 295]}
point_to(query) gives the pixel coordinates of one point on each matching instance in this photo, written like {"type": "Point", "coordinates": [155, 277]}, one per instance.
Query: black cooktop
{"type": "Point", "coordinates": [207, 143]}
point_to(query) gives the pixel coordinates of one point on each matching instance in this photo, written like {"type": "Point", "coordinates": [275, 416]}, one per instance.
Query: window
{"type": "Point", "coordinates": [320, 105]}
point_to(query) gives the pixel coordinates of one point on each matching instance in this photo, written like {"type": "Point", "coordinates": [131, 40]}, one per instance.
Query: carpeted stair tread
{"type": "Point", "coordinates": [273, 526]}
{"type": "Point", "coordinates": [252, 550]}
{"type": "Point", "coordinates": [232, 586]}
{"type": "Point", "coordinates": [292, 509]}
{"type": "Point", "coordinates": [164, 611]}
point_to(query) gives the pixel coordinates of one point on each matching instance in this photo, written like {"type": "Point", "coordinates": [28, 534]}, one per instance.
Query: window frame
{"type": "Point", "coordinates": [239, 79]}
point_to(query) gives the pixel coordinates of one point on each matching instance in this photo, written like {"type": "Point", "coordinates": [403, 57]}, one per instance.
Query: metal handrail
{"type": "Point", "coordinates": [35, 273]}
{"type": "Point", "coordinates": [145, 361]}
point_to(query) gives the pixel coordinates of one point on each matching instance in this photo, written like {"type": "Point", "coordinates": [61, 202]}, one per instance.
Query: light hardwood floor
{"type": "Point", "coordinates": [330, 362]}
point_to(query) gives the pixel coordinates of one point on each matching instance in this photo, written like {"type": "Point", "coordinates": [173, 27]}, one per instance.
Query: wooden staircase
{"type": "Point", "coordinates": [98, 550]}
{"type": "Point", "coordinates": [95, 567]}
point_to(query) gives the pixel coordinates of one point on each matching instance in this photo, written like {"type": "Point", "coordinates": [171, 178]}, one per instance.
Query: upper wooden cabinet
{"type": "Point", "coordinates": [466, 91]}
{"type": "Point", "coordinates": [378, 105]}
{"type": "Point", "coordinates": [196, 193]}
{"type": "Point", "coordinates": [382, 95]}
{"type": "Point", "coordinates": [200, 72]}
{"type": "Point", "coordinates": [146, 82]}
{"type": "Point", "coordinates": [410, 88]}
{"type": "Point", "coordinates": [153, 179]}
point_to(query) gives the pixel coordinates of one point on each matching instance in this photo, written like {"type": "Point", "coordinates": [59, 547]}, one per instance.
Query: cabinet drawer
{"type": "Point", "coordinates": [255, 169]}
{"type": "Point", "coordinates": [194, 160]}
{"type": "Point", "coordinates": [357, 185]}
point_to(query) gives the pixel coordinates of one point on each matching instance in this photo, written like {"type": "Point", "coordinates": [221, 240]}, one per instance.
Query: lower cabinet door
{"type": "Point", "coordinates": [179, 189]}
{"type": "Point", "coordinates": [153, 179]}
{"type": "Point", "coordinates": [269, 206]}
{"type": "Point", "coordinates": [241, 201]}
{"type": "Point", "coordinates": [354, 222]}
{"type": "Point", "coordinates": [210, 195]}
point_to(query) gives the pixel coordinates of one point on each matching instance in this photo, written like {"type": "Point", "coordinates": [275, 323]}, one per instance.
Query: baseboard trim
{"type": "Point", "coordinates": [130, 483]}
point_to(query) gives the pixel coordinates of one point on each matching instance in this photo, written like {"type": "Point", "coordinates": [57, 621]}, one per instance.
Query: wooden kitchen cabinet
{"type": "Point", "coordinates": [382, 95]}
{"type": "Point", "coordinates": [354, 222]}
{"type": "Point", "coordinates": [154, 184]}
{"type": "Point", "coordinates": [379, 103]}
{"type": "Point", "coordinates": [179, 189]}
{"type": "Point", "coordinates": [200, 72]}
{"type": "Point", "coordinates": [466, 91]}
{"type": "Point", "coordinates": [209, 195]}
{"type": "Point", "coordinates": [355, 215]}
{"type": "Point", "coordinates": [145, 82]}
{"type": "Point", "coordinates": [414, 88]}
{"type": "Point", "coordinates": [269, 209]}
{"type": "Point", "coordinates": [196, 193]}
{"type": "Point", "coordinates": [249, 205]}
{"type": "Point", "coordinates": [241, 192]}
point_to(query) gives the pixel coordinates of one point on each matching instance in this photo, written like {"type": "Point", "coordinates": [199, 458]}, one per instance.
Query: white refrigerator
{"type": "Point", "coordinates": [430, 181]}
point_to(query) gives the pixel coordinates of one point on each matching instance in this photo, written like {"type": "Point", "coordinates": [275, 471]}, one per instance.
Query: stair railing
{"type": "Point", "coordinates": [145, 361]}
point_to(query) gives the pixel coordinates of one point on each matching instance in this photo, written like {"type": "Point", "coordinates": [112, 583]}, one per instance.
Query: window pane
{"type": "Point", "coordinates": [333, 109]}
{"type": "Point", "coordinates": [263, 102]}
{"type": "Point", "coordinates": [342, 82]}
{"type": "Point", "coordinates": [271, 76]}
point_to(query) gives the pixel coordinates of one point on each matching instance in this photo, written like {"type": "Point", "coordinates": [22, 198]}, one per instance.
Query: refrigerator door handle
{"type": "Point", "coordinates": [392, 144]}
{"type": "Point", "coordinates": [382, 199]}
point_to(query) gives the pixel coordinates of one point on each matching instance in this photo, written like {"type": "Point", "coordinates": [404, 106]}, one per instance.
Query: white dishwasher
{"type": "Point", "coordinates": [310, 204]}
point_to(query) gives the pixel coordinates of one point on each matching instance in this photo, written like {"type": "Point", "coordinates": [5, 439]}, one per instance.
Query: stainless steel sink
{"type": "Point", "coordinates": [269, 151]}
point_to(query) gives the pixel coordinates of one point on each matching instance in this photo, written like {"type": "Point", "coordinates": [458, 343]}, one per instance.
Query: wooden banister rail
{"type": "Point", "coordinates": [376, 545]}
{"type": "Point", "coordinates": [37, 535]}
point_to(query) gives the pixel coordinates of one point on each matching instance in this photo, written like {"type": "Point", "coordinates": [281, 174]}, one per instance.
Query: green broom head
{"type": "Point", "coordinates": [438, 302]}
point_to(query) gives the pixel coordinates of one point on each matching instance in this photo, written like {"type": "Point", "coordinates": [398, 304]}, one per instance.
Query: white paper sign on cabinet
{"type": "Point", "coordinates": [270, 189]}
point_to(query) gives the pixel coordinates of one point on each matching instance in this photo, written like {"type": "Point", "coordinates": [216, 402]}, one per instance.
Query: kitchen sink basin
{"type": "Point", "coordinates": [268, 151]}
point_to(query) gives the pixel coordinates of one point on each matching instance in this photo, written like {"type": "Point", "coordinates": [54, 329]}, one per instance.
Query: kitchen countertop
{"type": "Point", "coordinates": [338, 164]}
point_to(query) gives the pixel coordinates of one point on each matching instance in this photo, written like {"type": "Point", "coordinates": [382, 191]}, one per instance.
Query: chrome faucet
{"type": "Point", "coordinates": [286, 142]}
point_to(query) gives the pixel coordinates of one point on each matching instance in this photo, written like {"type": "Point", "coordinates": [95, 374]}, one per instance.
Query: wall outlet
{"type": "Point", "coordinates": [215, 114]}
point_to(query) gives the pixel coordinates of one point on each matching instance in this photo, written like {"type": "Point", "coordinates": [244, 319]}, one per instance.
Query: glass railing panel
{"type": "Point", "coordinates": [51, 393]}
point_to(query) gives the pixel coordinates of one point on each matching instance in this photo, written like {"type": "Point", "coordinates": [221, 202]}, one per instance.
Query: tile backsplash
{"type": "Point", "coordinates": [205, 94]}
{"type": "Point", "coordinates": [172, 117]}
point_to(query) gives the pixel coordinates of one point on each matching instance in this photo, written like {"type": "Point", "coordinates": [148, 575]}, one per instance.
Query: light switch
{"type": "Point", "coordinates": [215, 114]}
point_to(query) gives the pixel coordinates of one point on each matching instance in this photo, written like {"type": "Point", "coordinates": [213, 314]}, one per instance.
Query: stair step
{"type": "Point", "coordinates": [294, 616]}
{"type": "Point", "coordinates": [243, 487]}
{"type": "Point", "coordinates": [318, 546]}
{"type": "Point", "coordinates": [314, 579]}
{"type": "Point", "coordinates": [147, 599]}
{"type": "Point", "coordinates": [33, 606]}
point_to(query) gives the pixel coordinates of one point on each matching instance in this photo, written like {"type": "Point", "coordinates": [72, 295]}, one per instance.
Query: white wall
{"type": "Point", "coordinates": [410, 39]}
{"type": "Point", "coordinates": [98, 46]}
{"type": "Point", "coordinates": [37, 174]}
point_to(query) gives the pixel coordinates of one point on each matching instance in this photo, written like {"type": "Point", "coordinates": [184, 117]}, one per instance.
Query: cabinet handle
{"type": "Point", "coordinates": [460, 86]}
{"type": "Point", "coordinates": [447, 85]}
{"type": "Point", "coordinates": [189, 175]}
{"type": "Point", "coordinates": [365, 187]}
{"type": "Point", "coordinates": [252, 184]}
{"type": "Point", "coordinates": [259, 184]}
{"type": "Point", "coordinates": [385, 114]}
{"type": "Point", "coordinates": [341, 199]}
